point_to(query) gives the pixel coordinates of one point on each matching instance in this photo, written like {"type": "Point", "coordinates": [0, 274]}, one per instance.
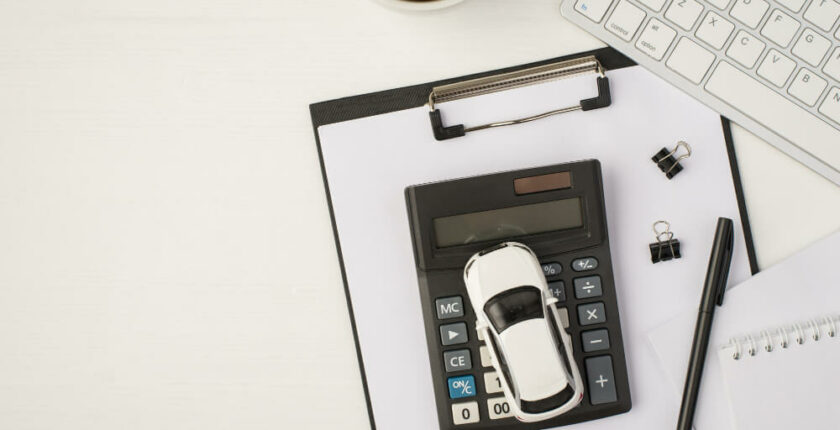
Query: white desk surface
{"type": "Point", "coordinates": [166, 256]}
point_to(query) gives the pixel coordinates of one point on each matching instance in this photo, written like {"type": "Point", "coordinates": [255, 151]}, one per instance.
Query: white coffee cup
{"type": "Point", "coordinates": [419, 4]}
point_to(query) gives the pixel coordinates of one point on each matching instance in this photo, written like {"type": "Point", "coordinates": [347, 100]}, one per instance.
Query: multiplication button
{"type": "Point", "coordinates": [591, 313]}
{"type": "Point", "coordinates": [465, 413]}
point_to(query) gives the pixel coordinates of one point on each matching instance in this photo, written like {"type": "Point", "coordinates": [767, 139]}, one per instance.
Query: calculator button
{"type": "Point", "coordinates": [461, 386]}
{"type": "Point", "coordinates": [592, 313]}
{"type": "Point", "coordinates": [584, 264]}
{"type": "Point", "coordinates": [552, 270]}
{"type": "Point", "coordinates": [498, 408]}
{"type": "Point", "coordinates": [599, 374]}
{"type": "Point", "coordinates": [485, 356]}
{"type": "Point", "coordinates": [595, 340]}
{"type": "Point", "coordinates": [465, 413]}
{"type": "Point", "coordinates": [453, 334]}
{"type": "Point", "coordinates": [449, 307]}
{"type": "Point", "coordinates": [587, 287]}
{"type": "Point", "coordinates": [558, 290]}
{"type": "Point", "coordinates": [564, 317]}
{"type": "Point", "coordinates": [492, 383]}
{"type": "Point", "coordinates": [457, 360]}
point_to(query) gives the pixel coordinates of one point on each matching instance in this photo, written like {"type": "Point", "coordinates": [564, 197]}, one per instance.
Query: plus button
{"type": "Point", "coordinates": [602, 381]}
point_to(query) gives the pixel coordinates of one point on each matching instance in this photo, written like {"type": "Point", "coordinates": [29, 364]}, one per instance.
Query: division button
{"type": "Point", "coordinates": [595, 340]}
{"type": "Point", "coordinates": [461, 386]}
{"type": "Point", "coordinates": [457, 360]}
{"type": "Point", "coordinates": [551, 270]}
{"type": "Point", "coordinates": [453, 334]}
{"type": "Point", "coordinates": [583, 264]}
{"type": "Point", "coordinates": [591, 313]}
{"type": "Point", "coordinates": [465, 413]}
{"type": "Point", "coordinates": [587, 287]}
{"type": "Point", "coordinates": [449, 307]}
{"type": "Point", "coordinates": [558, 290]}
{"type": "Point", "coordinates": [599, 375]}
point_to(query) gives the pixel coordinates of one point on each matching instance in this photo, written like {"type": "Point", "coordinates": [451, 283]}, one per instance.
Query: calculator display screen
{"type": "Point", "coordinates": [508, 222]}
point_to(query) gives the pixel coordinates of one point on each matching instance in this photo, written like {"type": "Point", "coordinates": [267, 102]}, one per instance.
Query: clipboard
{"type": "Point", "coordinates": [449, 129]}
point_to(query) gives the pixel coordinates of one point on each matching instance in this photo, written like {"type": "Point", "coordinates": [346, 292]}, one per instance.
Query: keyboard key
{"type": "Point", "coordinates": [832, 66]}
{"type": "Point", "coordinates": [793, 5]}
{"type": "Point", "coordinates": [745, 49]}
{"type": "Point", "coordinates": [746, 94]}
{"type": "Point", "coordinates": [780, 28]}
{"type": "Point", "coordinates": [807, 87]}
{"type": "Point", "coordinates": [656, 5]}
{"type": "Point", "coordinates": [587, 287]}
{"type": "Point", "coordinates": [449, 307]}
{"type": "Point", "coordinates": [721, 4]}
{"type": "Point", "coordinates": [823, 13]}
{"type": "Point", "coordinates": [776, 68]}
{"type": "Point", "coordinates": [625, 20]}
{"type": "Point", "coordinates": [461, 386]}
{"type": "Point", "coordinates": [749, 12]}
{"type": "Point", "coordinates": [465, 413]}
{"type": "Point", "coordinates": [830, 107]}
{"type": "Point", "coordinates": [715, 30]}
{"type": "Point", "coordinates": [585, 264]}
{"type": "Point", "coordinates": [492, 383]}
{"type": "Point", "coordinates": [599, 374]}
{"type": "Point", "coordinates": [453, 334]}
{"type": "Point", "coordinates": [593, 9]}
{"type": "Point", "coordinates": [684, 13]}
{"type": "Point", "coordinates": [811, 47]}
{"type": "Point", "coordinates": [498, 408]}
{"type": "Point", "coordinates": [457, 360]}
{"type": "Point", "coordinates": [591, 313]}
{"type": "Point", "coordinates": [655, 39]}
{"type": "Point", "coordinates": [486, 361]}
{"type": "Point", "coordinates": [564, 317]}
{"type": "Point", "coordinates": [691, 61]}
{"type": "Point", "coordinates": [595, 340]}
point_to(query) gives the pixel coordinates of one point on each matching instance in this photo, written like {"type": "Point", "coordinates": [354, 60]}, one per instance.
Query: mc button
{"type": "Point", "coordinates": [449, 307]}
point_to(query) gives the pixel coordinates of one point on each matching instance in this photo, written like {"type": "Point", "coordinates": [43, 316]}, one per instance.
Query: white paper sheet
{"type": "Point", "coordinates": [370, 161]}
{"type": "Point", "coordinates": [801, 287]}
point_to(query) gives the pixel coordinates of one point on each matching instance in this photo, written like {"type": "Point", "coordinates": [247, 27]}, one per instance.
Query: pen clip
{"type": "Point", "coordinates": [724, 269]}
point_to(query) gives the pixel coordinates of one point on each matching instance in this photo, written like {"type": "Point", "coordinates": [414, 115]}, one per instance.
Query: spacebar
{"type": "Point", "coordinates": [767, 107]}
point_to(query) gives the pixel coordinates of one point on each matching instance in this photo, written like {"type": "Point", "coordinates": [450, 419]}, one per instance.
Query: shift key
{"type": "Point", "coordinates": [655, 39]}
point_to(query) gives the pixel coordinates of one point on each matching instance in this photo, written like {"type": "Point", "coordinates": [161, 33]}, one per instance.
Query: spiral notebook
{"type": "Point", "coordinates": [784, 377]}
{"type": "Point", "coordinates": [785, 387]}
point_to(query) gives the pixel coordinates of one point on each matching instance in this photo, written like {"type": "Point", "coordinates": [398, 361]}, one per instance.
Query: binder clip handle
{"type": "Point", "coordinates": [666, 247]}
{"type": "Point", "coordinates": [666, 161]}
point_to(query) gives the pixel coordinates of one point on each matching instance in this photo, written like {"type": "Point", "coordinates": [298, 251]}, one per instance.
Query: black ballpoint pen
{"type": "Point", "coordinates": [713, 290]}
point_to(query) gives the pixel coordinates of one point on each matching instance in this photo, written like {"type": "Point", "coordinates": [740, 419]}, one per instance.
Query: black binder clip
{"type": "Point", "coordinates": [666, 161]}
{"type": "Point", "coordinates": [666, 247]}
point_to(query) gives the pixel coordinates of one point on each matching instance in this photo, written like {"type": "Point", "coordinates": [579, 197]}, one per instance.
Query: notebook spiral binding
{"type": "Point", "coordinates": [816, 328]}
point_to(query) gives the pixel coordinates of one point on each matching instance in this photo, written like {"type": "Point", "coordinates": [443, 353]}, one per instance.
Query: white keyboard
{"type": "Point", "coordinates": [772, 66]}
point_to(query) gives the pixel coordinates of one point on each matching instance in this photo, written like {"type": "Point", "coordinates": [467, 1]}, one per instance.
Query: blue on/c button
{"type": "Point", "coordinates": [461, 386]}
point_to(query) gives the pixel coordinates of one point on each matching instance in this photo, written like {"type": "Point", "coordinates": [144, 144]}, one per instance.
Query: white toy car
{"type": "Point", "coordinates": [518, 318]}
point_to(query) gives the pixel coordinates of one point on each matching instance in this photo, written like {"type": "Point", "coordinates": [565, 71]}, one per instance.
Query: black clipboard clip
{"type": "Point", "coordinates": [520, 78]}
{"type": "Point", "coordinates": [666, 247]}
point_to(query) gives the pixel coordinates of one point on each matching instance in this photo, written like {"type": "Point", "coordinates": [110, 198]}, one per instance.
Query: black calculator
{"type": "Point", "coordinates": [557, 211]}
